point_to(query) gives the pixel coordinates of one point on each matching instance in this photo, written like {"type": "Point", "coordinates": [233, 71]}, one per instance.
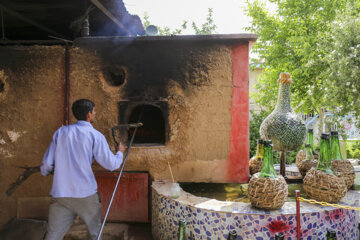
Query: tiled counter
{"type": "Point", "coordinates": [211, 219]}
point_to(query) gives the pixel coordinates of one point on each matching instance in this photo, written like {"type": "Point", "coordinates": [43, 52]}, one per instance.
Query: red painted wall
{"type": "Point", "coordinates": [238, 161]}
{"type": "Point", "coordinates": [130, 202]}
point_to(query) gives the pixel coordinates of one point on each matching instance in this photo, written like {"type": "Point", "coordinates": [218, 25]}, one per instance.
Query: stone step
{"type": "Point", "coordinates": [113, 231]}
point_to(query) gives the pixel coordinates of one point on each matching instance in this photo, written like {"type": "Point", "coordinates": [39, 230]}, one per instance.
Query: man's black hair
{"type": "Point", "coordinates": [81, 107]}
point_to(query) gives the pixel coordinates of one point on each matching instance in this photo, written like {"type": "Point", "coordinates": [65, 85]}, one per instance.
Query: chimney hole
{"type": "Point", "coordinates": [115, 76]}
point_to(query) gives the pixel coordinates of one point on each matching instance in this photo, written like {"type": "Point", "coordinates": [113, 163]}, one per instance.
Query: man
{"type": "Point", "coordinates": [69, 157]}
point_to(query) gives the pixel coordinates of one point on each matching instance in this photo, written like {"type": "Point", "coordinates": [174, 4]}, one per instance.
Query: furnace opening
{"type": "Point", "coordinates": [153, 130]}
{"type": "Point", "coordinates": [115, 76]}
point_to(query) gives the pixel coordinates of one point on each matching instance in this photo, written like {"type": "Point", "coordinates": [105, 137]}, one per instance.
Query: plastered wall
{"type": "Point", "coordinates": [31, 109]}
{"type": "Point", "coordinates": [195, 79]}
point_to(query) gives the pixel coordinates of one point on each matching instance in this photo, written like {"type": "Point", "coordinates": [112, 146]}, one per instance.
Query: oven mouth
{"type": "Point", "coordinates": [153, 116]}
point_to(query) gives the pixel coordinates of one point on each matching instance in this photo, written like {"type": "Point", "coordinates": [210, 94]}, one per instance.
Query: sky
{"type": "Point", "coordinates": [228, 15]}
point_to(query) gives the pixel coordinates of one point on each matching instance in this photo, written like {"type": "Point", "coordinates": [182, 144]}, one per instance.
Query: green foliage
{"type": "Point", "coordinates": [353, 149]}
{"type": "Point", "coordinates": [288, 42]}
{"type": "Point", "coordinates": [290, 157]}
{"type": "Point", "coordinates": [164, 31]}
{"type": "Point", "coordinates": [146, 20]}
{"type": "Point", "coordinates": [342, 47]}
{"type": "Point", "coordinates": [208, 27]}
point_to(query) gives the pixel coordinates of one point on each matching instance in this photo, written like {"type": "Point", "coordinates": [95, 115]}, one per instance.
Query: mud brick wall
{"type": "Point", "coordinates": [31, 109]}
{"type": "Point", "coordinates": [202, 83]}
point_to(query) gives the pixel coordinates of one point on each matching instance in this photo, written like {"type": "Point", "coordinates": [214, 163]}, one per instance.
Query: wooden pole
{"type": "Point", "coordinates": [172, 176]}
{"type": "Point", "coordinates": [283, 163]}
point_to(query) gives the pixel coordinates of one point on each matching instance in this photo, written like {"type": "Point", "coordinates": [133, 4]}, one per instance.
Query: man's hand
{"type": "Point", "coordinates": [121, 147]}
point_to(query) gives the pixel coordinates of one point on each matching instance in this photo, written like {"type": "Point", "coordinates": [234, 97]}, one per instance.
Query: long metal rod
{"type": "Point", "coordinates": [31, 42]}
{"type": "Point", "coordinates": [118, 180]}
{"type": "Point", "coordinates": [30, 21]}
{"type": "Point", "coordinates": [116, 185]}
{"type": "Point", "coordinates": [298, 228]}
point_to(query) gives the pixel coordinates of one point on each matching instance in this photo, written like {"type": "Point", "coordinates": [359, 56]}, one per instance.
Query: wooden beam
{"type": "Point", "coordinates": [107, 13]}
{"type": "Point", "coordinates": [30, 21]}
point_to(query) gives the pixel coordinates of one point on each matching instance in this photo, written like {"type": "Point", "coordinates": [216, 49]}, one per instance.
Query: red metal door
{"type": "Point", "coordinates": [130, 203]}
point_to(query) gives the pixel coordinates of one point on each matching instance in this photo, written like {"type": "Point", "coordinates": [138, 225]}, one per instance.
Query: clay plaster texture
{"type": "Point", "coordinates": [31, 109]}
{"type": "Point", "coordinates": [195, 80]}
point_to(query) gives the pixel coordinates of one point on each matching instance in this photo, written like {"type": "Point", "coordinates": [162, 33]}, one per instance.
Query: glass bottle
{"type": "Point", "coordinates": [335, 146]}
{"type": "Point", "coordinates": [279, 236]}
{"type": "Point", "coordinates": [331, 235]}
{"type": "Point", "coordinates": [232, 235]}
{"type": "Point", "coordinates": [259, 150]}
{"type": "Point", "coordinates": [310, 139]}
{"type": "Point", "coordinates": [175, 190]}
{"type": "Point", "coordinates": [283, 126]}
{"type": "Point", "coordinates": [268, 164]}
{"type": "Point", "coordinates": [324, 163]}
{"type": "Point", "coordinates": [182, 230]}
{"type": "Point", "coordinates": [309, 154]}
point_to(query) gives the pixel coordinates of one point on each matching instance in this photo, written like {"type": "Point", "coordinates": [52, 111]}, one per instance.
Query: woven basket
{"type": "Point", "coordinates": [346, 170]}
{"type": "Point", "coordinates": [305, 166]}
{"type": "Point", "coordinates": [255, 165]}
{"type": "Point", "coordinates": [301, 156]}
{"type": "Point", "coordinates": [324, 187]}
{"type": "Point", "coordinates": [267, 193]}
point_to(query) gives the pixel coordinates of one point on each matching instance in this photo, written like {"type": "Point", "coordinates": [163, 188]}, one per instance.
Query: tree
{"type": "Point", "coordinates": [342, 47]}
{"type": "Point", "coordinates": [288, 41]}
{"type": "Point", "coordinates": [208, 27]}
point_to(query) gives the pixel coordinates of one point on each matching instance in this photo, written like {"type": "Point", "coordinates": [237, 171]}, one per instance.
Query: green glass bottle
{"type": "Point", "coordinates": [335, 146]}
{"type": "Point", "coordinates": [259, 150]}
{"type": "Point", "coordinates": [324, 163]}
{"type": "Point", "coordinates": [331, 235]}
{"type": "Point", "coordinates": [268, 164]}
{"type": "Point", "coordinates": [309, 154]}
{"type": "Point", "coordinates": [182, 230]}
{"type": "Point", "coordinates": [310, 139]}
{"type": "Point", "coordinates": [232, 235]}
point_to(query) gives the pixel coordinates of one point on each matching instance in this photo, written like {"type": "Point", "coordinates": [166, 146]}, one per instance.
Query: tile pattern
{"type": "Point", "coordinates": [249, 223]}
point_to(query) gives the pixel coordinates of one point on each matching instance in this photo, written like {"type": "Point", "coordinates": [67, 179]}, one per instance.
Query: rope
{"type": "Point", "coordinates": [311, 201]}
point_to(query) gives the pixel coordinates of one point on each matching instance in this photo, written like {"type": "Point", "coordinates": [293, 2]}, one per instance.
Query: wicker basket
{"type": "Point", "coordinates": [301, 156]}
{"type": "Point", "coordinates": [324, 187]}
{"type": "Point", "coordinates": [346, 170]}
{"type": "Point", "coordinates": [255, 165]}
{"type": "Point", "coordinates": [305, 166]}
{"type": "Point", "coordinates": [267, 193]}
